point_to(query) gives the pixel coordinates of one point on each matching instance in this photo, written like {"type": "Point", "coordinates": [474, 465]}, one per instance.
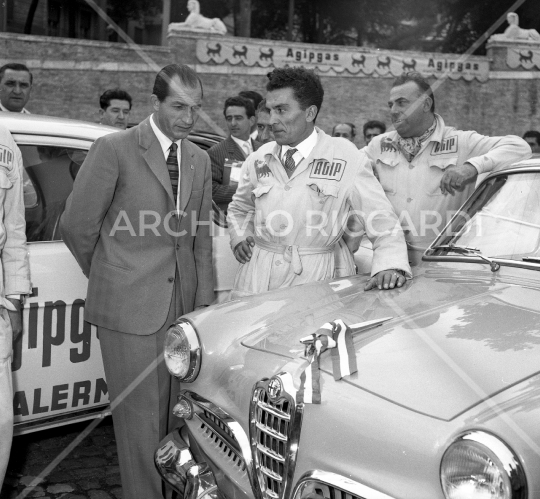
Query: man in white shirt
{"type": "Point", "coordinates": [290, 211]}
{"type": "Point", "coordinates": [15, 88]}
{"type": "Point", "coordinates": [240, 117]}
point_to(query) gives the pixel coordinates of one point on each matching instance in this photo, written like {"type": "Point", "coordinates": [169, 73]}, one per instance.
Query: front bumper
{"type": "Point", "coordinates": [177, 467]}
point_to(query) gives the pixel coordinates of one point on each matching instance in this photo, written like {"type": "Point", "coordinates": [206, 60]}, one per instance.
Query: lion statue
{"type": "Point", "coordinates": [197, 22]}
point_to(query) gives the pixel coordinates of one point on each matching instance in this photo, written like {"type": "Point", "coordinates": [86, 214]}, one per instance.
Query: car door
{"type": "Point", "coordinates": [57, 367]}
{"type": "Point", "coordinates": [58, 373]}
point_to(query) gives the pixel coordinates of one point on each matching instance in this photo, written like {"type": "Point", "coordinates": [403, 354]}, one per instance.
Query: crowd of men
{"type": "Point", "coordinates": [298, 200]}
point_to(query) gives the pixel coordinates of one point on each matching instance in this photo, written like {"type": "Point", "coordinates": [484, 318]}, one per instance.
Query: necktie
{"type": "Point", "coordinates": [246, 149]}
{"type": "Point", "coordinates": [172, 166]}
{"type": "Point", "coordinates": [289, 162]}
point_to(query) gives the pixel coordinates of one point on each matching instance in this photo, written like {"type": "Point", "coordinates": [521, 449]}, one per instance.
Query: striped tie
{"type": "Point", "coordinates": [172, 166]}
{"type": "Point", "coordinates": [289, 162]}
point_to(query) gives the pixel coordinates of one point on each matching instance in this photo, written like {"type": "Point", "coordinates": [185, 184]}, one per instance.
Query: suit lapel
{"type": "Point", "coordinates": [153, 155]}
{"type": "Point", "coordinates": [187, 171]}
{"type": "Point", "coordinates": [234, 150]}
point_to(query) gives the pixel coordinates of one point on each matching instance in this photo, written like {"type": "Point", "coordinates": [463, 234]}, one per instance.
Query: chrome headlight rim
{"type": "Point", "coordinates": [511, 464]}
{"type": "Point", "coordinates": [195, 350]}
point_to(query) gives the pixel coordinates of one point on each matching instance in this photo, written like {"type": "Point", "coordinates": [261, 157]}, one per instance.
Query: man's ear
{"type": "Point", "coordinates": [101, 112]}
{"type": "Point", "coordinates": [155, 102]}
{"type": "Point", "coordinates": [311, 113]}
{"type": "Point", "coordinates": [428, 101]}
{"type": "Point", "coordinates": [253, 120]}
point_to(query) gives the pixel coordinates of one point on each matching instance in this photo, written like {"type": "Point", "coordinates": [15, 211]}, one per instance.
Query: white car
{"type": "Point", "coordinates": [57, 368]}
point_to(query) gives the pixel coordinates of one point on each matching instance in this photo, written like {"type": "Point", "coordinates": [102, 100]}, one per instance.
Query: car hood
{"type": "Point", "coordinates": [453, 340]}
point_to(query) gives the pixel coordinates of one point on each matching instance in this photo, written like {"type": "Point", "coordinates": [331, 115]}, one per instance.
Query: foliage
{"type": "Point", "coordinates": [120, 10]}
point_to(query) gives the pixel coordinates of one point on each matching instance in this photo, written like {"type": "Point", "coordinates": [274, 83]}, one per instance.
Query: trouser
{"type": "Point", "coordinates": [6, 393]}
{"type": "Point", "coordinates": [142, 393]}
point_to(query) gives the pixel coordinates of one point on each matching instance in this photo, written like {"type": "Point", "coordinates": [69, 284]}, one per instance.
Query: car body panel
{"type": "Point", "coordinates": [457, 352]}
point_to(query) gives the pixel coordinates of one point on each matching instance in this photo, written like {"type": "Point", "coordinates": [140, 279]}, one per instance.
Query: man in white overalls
{"type": "Point", "coordinates": [16, 279]}
{"type": "Point", "coordinates": [295, 195]}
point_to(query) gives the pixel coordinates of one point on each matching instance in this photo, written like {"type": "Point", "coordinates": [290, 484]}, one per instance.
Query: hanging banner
{"type": "Point", "coordinates": [523, 58]}
{"type": "Point", "coordinates": [330, 59]}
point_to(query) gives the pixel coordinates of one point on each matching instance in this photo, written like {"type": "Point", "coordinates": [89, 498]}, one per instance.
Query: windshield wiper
{"type": "Point", "coordinates": [464, 250]}
{"type": "Point", "coordinates": [533, 259]}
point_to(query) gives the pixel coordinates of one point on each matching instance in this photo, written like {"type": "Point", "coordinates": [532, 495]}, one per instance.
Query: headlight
{"type": "Point", "coordinates": [182, 351]}
{"type": "Point", "coordinates": [480, 466]}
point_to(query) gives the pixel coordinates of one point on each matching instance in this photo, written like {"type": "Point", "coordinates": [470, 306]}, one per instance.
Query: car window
{"type": "Point", "coordinates": [48, 181]}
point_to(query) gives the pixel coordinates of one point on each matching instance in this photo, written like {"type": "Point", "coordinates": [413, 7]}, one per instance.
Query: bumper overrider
{"type": "Point", "coordinates": [177, 467]}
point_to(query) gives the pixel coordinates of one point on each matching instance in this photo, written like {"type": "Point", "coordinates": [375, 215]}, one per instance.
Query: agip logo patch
{"type": "Point", "coordinates": [328, 170]}
{"type": "Point", "coordinates": [6, 158]}
{"type": "Point", "coordinates": [446, 146]}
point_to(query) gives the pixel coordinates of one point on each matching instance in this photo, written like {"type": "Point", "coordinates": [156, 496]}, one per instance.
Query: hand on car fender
{"type": "Point", "coordinates": [242, 251]}
{"type": "Point", "coordinates": [455, 178]}
{"type": "Point", "coordinates": [386, 279]}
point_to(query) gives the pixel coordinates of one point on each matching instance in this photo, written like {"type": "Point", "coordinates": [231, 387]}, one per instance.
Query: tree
{"type": "Point", "coordinates": [466, 21]}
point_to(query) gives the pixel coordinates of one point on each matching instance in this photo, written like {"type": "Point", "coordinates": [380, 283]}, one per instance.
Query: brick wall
{"type": "Point", "coordinates": [70, 75]}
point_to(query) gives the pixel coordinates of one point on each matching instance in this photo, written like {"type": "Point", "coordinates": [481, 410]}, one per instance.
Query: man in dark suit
{"type": "Point", "coordinates": [231, 153]}
{"type": "Point", "coordinates": [138, 223]}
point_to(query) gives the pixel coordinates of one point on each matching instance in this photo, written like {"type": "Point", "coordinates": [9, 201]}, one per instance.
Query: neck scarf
{"type": "Point", "coordinates": [411, 145]}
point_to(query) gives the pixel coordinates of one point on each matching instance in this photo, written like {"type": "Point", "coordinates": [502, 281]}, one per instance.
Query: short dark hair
{"type": "Point", "coordinates": [374, 124]}
{"type": "Point", "coordinates": [187, 76]}
{"type": "Point", "coordinates": [532, 134]}
{"type": "Point", "coordinates": [15, 66]}
{"type": "Point", "coordinates": [261, 108]}
{"type": "Point", "coordinates": [305, 84]}
{"type": "Point", "coordinates": [113, 93]}
{"type": "Point", "coordinates": [350, 125]}
{"type": "Point", "coordinates": [240, 102]}
{"type": "Point", "coordinates": [420, 81]}
{"type": "Point", "coordinates": [253, 96]}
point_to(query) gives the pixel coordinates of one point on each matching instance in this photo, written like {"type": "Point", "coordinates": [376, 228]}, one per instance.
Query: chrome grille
{"type": "Point", "coordinates": [274, 432]}
{"type": "Point", "coordinates": [330, 492]}
{"type": "Point", "coordinates": [210, 426]}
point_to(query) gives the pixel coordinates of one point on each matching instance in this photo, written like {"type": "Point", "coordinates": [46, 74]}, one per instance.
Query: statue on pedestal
{"type": "Point", "coordinates": [516, 34]}
{"type": "Point", "coordinates": [195, 21]}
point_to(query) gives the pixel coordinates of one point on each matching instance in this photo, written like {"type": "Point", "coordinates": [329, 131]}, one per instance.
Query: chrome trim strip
{"type": "Point", "coordinates": [271, 431]}
{"type": "Point", "coordinates": [511, 464]}
{"type": "Point", "coordinates": [339, 482]}
{"type": "Point", "coordinates": [271, 474]}
{"type": "Point", "coordinates": [271, 454]}
{"type": "Point", "coordinates": [273, 411]}
{"type": "Point", "coordinates": [195, 349]}
{"type": "Point", "coordinates": [239, 434]}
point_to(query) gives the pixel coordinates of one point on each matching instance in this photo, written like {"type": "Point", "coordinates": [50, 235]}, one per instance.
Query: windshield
{"type": "Point", "coordinates": [501, 219]}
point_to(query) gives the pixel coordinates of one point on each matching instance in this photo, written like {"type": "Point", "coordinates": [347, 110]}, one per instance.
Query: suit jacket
{"type": "Point", "coordinates": [227, 149]}
{"type": "Point", "coordinates": [121, 225]}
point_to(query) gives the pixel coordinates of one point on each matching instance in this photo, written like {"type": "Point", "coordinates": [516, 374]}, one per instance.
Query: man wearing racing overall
{"type": "Point", "coordinates": [290, 210]}
{"type": "Point", "coordinates": [15, 282]}
{"type": "Point", "coordinates": [427, 169]}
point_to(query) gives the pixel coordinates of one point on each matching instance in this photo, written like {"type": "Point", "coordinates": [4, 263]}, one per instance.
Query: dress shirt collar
{"type": "Point", "coordinates": [23, 111]}
{"type": "Point", "coordinates": [164, 141]}
{"type": "Point", "coordinates": [303, 150]}
{"type": "Point", "coordinates": [243, 143]}
{"type": "Point", "coordinates": [253, 135]}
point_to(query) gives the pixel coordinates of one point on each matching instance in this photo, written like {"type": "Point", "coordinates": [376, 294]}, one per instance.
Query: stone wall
{"type": "Point", "coordinates": [70, 75]}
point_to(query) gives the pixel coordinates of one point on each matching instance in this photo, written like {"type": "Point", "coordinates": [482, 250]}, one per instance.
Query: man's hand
{"type": "Point", "coordinates": [16, 319]}
{"type": "Point", "coordinates": [386, 279]}
{"type": "Point", "coordinates": [455, 178]}
{"type": "Point", "coordinates": [242, 251]}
